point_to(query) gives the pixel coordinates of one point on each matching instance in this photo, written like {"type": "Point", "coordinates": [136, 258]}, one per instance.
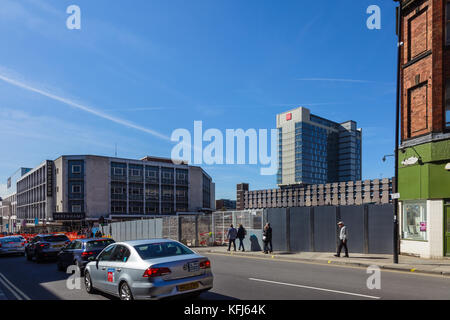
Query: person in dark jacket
{"type": "Point", "coordinates": [231, 236]}
{"type": "Point", "coordinates": [267, 238]}
{"type": "Point", "coordinates": [241, 235]}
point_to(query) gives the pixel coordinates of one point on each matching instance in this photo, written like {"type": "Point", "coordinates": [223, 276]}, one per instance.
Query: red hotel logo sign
{"type": "Point", "coordinates": [288, 116]}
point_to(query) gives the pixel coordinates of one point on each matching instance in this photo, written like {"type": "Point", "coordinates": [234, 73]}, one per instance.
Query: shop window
{"type": "Point", "coordinates": [414, 221]}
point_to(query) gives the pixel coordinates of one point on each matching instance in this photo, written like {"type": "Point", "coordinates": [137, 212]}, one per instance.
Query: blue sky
{"type": "Point", "coordinates": [137, 70]}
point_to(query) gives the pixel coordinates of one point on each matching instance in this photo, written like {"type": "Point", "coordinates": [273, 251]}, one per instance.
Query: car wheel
{"type": "Point", "coordinates": [88, 283]}
{"type": "Point", "coordinates": [125, 292]}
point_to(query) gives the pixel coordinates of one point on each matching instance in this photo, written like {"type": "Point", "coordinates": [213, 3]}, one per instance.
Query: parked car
{"type": "Point", "coordinates": [45, 246]}
{"type": "Point", "coordinates": [12, 245]}
{"type": "Point", "coordinates": [78, 251]}
{"type": "Point", "coordinates": [148, 269]}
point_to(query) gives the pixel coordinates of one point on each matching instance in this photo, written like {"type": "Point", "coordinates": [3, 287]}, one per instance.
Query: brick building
{"type": "Point", "coordinates": [376, 191]}
{"type": "Point", "coordinates": [424, 158]}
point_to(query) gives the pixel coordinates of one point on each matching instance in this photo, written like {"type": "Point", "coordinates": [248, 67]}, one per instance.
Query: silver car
{"type": "Point", "coordinates": [12, 245]}
{"type": "Point", "coordinates": [148, 269]}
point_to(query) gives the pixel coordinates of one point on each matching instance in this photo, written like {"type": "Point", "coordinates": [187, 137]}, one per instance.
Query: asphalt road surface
{"type": "Point", "coordinates": [240, 278]}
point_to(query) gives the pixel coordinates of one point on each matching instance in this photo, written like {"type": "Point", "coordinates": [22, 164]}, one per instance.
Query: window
{"type": "Point", "coordinates": [414, 221]}
{"type": "Point", "coordinates": [135, 172]}
{"type": "Point", "coordinates": [105, 255]}
{"type": "Point", "coordinates": [160, 250]}
{"type": "Point", "coordinates": [118, 171]}
{"type": "Point", "coordinates": [76, 188]}
{"type": "Point", "coordinates": [76, 208]}
{"type": "Point", "coordinates": [98, 244]}
{"type": "Point", "coordinates": [121, 254]}
{"type": "Point", "coordinates": [447, 102]}
{"type": "Point", "coordinates": [76, 169]}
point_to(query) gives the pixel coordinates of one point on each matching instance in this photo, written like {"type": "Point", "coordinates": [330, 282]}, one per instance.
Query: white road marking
{"type": "Point", "coordinates": [14, 290]}
{"type": "Point", "coordinates": [314, 288]}
{"type": "Point", "coordinates": [2, 295]}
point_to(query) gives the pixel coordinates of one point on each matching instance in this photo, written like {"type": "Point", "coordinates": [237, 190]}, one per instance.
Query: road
{"type": "Point", "coordinates": [243, 278]}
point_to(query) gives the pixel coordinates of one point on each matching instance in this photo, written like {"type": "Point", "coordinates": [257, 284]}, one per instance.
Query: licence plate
{"type": "Point", "coordinates": [188, 286]}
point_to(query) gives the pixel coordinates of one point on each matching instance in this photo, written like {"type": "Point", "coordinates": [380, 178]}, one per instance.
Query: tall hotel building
{"type": "Point", "coordinates": [88, 187]}
{"type": "Point", "coordinates": [314, 150]}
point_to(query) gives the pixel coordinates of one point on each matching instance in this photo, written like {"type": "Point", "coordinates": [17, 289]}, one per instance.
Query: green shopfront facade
{"type": "Point", "coordinates": [424, 207]}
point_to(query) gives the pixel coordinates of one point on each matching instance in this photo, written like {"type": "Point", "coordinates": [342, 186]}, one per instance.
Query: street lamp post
{"type": "Point", "coordinates": [397, 116]}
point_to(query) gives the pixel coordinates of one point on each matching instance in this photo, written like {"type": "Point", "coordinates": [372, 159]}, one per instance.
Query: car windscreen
{"type": "Point", "coordinates": [55, 239]}
{"type": "Point", "coordinates": [98, 244]}
{"type": "Point", "coordinates": [161, 250]}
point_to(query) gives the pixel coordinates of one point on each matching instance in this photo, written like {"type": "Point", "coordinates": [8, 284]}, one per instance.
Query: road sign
{"type": "Point", "coordinates": [395, 196]}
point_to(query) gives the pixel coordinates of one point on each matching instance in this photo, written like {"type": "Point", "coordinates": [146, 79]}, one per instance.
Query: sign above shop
{"type": "Point", "coordinates": [61, 216]}
{"type": "Point", "coordinates": [410, 161]}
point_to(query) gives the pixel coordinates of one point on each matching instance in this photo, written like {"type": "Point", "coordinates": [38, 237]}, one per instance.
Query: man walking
{"type": "Point", "coordinates": [342, 239]}
{"type": "Point", "coordinates": [267, 238]}
{"type": "Point", "coordinates": [241, 235]}
{"type": "Point", "coordinates": [231, 236]}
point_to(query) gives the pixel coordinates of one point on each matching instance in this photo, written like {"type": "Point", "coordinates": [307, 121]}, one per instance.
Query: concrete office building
{"type": "Point", "coordinates": [87, 187]}
{"type": "Point", "coordinates": [314, 150]}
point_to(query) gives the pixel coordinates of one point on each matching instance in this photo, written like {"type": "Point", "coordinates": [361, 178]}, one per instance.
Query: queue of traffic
{"type": "Point", "coordinates": [141, 269]}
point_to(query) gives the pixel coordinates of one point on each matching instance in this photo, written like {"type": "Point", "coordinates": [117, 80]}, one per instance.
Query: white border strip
{"type": "Point", "coordinates": [314, 288]}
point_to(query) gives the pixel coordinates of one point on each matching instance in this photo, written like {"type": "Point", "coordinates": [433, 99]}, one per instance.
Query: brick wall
{"type": "Point", "coordinates": [425, 66]}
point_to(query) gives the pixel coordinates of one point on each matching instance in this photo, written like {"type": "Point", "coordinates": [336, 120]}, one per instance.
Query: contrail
{"type": "Point", "coordinates": [341, 80]}
{"type": "Point", "coordinates": [83, 108]}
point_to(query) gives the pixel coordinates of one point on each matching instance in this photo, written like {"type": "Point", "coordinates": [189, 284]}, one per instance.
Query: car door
{"type": "Point", "coordinates": [116, 266]}
{"type": "Point", "coordinates": [98, 270]}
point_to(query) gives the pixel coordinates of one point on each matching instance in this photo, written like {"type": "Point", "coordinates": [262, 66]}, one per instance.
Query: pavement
{"type": "Point", "coordinates": [383, 261]}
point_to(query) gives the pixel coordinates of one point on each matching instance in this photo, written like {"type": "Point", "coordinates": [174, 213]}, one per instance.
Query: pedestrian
{"type": "Point", "coordinates": [343, 236]}
{"type": "Point", "coordinates": [241, 233]}
{"type": "Point", "coordinates": [98, 234]}
{"type": "Point", "coordinates": [231, 236]}
{"type": "Point", "coordinates": [267, 238]}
